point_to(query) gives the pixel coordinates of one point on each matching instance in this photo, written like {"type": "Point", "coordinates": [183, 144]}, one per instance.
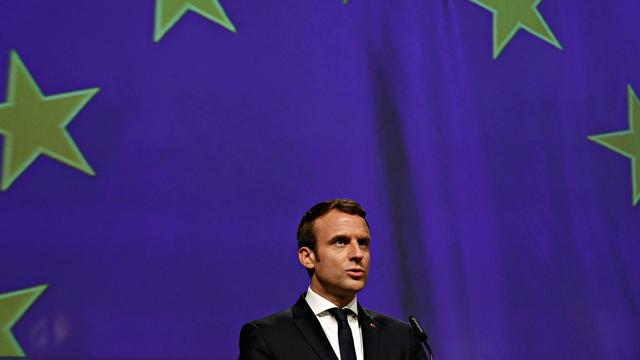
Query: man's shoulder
{"type": "Point", "coordinates": [276, 318]}
{"type": "Point", "coordinates": [299, 309]}
{"type": "Point", "coordinates": [277, 330]}
{"type": "Point", "coordinates": [271, 337]}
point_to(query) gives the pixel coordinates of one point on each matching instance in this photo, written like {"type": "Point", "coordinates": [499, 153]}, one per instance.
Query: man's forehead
{"type": "Point", "coordinates": [337, 221]}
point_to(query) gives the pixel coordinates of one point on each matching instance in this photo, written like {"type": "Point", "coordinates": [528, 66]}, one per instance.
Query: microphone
{"type": "Point", "coordinates": [421, 334]}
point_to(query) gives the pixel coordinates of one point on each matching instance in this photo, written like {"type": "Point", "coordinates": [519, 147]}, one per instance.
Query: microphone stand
{"type": "Point", "coordinates": [422, 336]}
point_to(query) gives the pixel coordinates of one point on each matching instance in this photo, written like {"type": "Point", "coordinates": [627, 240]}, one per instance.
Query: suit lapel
{"type": "Point", "coordinates": [311, 330]}
{"type": "Point", "coordinates": [370, 333]}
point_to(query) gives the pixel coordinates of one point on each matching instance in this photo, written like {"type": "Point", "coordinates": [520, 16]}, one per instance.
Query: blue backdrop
{"type": "Point", "coordinates": [494, 218]}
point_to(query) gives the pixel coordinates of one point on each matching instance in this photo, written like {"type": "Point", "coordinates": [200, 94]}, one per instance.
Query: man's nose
{"type": "Point", "coordinates": [356, 251]}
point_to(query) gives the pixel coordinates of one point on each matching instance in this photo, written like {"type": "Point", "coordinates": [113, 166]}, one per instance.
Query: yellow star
{"type": "Point", "coordinates": [12, 306]}
{"type": "Point", "coordinates": [168, 12]}
{"type": "Point", "coordinates": [34, 124]}
{"type": "Point", "coordinates": [509, 16]}
{"type": "Point", "coordinates": [627, 142]}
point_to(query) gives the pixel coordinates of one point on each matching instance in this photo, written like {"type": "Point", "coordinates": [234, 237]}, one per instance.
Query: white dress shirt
{"type": "Point", "coordinates": [320, 305]}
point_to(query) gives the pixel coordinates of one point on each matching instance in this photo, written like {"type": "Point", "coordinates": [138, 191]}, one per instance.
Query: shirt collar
{"type": "Point", "coordinates": [318, 304]}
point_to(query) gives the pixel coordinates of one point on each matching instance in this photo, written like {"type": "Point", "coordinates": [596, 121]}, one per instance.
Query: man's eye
{"type": "Point", "coordinates": [363, 242]}
{"type": "Point", "coordinates": [341, 242]}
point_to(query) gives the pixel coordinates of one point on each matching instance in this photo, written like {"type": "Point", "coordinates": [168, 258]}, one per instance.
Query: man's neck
{"type": "Point", "coordinates": [334, 299]}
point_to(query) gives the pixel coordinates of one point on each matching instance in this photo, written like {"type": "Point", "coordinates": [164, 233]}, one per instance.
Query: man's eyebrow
{"type": "Point", "coordinates": [345, 237]}
{"type": "Point", "coordinates": [339, 237]}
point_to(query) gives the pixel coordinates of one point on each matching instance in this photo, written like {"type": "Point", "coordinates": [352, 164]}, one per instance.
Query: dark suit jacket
{"type": "Point", "coordinates": [296, 334]}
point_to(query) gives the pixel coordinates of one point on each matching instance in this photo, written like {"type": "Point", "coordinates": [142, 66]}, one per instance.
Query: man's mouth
{"type": "Point", "coordinates": [356, 273]}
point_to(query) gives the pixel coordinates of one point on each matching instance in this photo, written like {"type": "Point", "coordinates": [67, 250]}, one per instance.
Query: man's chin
{"type": "Point", "coordinates": [357, 285]}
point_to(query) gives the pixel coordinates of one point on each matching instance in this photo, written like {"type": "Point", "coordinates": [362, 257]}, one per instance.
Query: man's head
{"type": "Point", "coordinates": [333, 245]}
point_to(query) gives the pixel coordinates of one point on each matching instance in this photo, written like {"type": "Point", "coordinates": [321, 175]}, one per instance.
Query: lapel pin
{"type": "Point", "coordinates": [372, 325]}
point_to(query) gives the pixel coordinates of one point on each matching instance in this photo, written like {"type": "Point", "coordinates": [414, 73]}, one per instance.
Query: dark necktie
{"type": "Point", "coordinates": [345, 338]}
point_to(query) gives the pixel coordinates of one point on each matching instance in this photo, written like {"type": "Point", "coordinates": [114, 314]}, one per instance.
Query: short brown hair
{"type": "Point", "coordinates": [306, 235]}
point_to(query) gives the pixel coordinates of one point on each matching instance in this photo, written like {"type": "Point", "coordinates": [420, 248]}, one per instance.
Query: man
{"type": "Point", "coordinates": [327, 322]}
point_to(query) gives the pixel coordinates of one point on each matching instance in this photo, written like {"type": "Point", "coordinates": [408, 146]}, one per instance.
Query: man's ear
{"type": "Point", "coordinates": [307, 257]}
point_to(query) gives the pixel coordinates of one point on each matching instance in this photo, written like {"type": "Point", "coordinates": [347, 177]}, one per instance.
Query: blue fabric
{"type": "Point", "coordinates": [494, 219]}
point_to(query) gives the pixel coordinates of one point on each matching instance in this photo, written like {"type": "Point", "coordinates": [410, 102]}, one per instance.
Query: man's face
{"type": "Point", "coordinates": [341, 259]}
